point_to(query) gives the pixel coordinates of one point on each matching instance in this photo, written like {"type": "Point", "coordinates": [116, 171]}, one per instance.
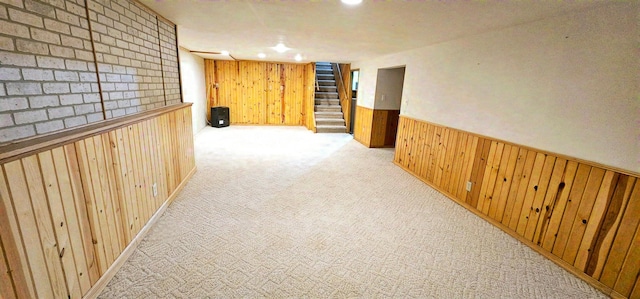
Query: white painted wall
{"type": "Point", "coordinates": [567, 84]}
{"type": "Point", "coordinates": [193, 87]}
{"type": "Point", "coordinates": [389, 89]}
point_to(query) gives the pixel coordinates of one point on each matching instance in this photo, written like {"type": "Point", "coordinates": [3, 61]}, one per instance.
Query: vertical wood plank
{"type": "Point", "coordinates": [477, 172]}
{"type": "Point", "coordinates": [103, 203]}
{"type": "Point", "coordinates": [94, 221]}
{"type": "Point", "coordinates": [459, 161]}
{"type": "Point", "coordinates": [630, 268]}
{"type": "Point", "coordinates": [472, 146]}
{"type": "Point", "coordinates": [609, 226]}
{"type": "Point", "coordinates": [623, 239]}
{"type": "Point", "coordinates": [426, 152]}
{"type": "Point", "coordinates": [513, 188]}
{"type": "Point", "coordinates": [111, 202]}
{"type": "Point", "coordinates": [421, 133]}
{"type": "Point", "coordinates": [63, 246]}
{"type": "Point", "coordinates": [133, 201]}
{"type": "Point", "coordinates": [450, 150]}
{"type": "Point", "coordinates": [123, 181]}
{"type": "Point", "coordinates": [490, 177]}
{"type": "Point", "coordinates": [491, 206]}
{"type": "Point", "coordinates": [544, 204]}
{"type": "Point", "coordinates": [14, 250]}
{"type": "Point", "coordinates": [540, 192]}
{"type": "Point", "coordinates": [595, 218]}
{"type": "Point", "coordinates": [77, 188]}
{"type": "Point", "coordinates": [506, 177]}
{"type": "Point", "coordinates": [532, 187]}
{"type": "Point", "coordinates": [71, 216]}
{"type": "Point", "coordinates": [519, 196]}
{"type": "Point", "coordinates": [571, 209]}
{"type": "Point", "coordinates": [39, 203]}
{"type": "Point", "coordinates": [584, 211]}
{"type": "Point", "coordinates": [6, 282]}
{"type": "Point", "coordinates": [557, 211]}
{"type": "Point", "coordinates": [434, 148]}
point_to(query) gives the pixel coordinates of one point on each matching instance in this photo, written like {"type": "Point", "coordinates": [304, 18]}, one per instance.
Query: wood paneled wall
{"type": "Point", "coordinates": [363, 125]}
{"type": "Point", "coordinates": [70, 209]}
{"type": "Point", "coordinates": [376, 128]}
{"type": "Point", "coordinates": [583, 216]}
{"type": "Point", "coordinates": [309, 96]}
{"type": "Point", "coordinates": [264, 93]}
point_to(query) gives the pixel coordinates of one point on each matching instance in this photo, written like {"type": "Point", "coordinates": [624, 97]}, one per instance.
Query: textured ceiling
{"type": "Point", "coordinates": [331, 31]}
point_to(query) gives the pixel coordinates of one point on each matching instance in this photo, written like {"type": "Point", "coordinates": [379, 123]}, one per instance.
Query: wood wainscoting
{"type": "Point", "coordinates": [76, 203]}
{"type": "Point", "coordinates": [262, 93]}
{"type": "Point", "coordinates": [376, 128]}
{"type": "Point", "coordinates": [582, 215]}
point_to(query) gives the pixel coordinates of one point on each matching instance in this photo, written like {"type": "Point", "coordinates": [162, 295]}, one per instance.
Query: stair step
{"type": "Point", "coordinates": [325, 76]}
{"type": "Point", "coordinates": [330, 129]}
{"type": "Point", "coordinates": [325, 115]}
{"type": "Point", "coordinates": [326, 95]}
{"type": "Point", "coordinates": [327, 82]}
{"type": "Point", "coordinates": [331, 102]}
{"type": "Point", "coordinates": [328, 108]}
{"type": "Point", "coordinates": [324, 71]}
{"type": "Point", "coordinates": [327, 89]}
{"type": "Point", "coordinates": [329, 122]}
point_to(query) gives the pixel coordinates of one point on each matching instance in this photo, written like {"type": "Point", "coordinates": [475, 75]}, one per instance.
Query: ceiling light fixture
{"type": "Point", "coordinates": [298, 57]}
{"type": "Point", "coordinates": [225, 53]}
{"type": "Point", "coordinates": [280, 48]}
{"type": "Point", "coordinates": [351, 2]}
{"type": "Point", "coordinates": [262, 55]}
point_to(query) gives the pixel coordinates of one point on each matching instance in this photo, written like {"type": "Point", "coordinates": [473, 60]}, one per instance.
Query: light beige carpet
{"type": "Point", "coordinates": [282, 212]}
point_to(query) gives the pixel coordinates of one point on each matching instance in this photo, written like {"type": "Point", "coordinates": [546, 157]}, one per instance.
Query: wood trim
{"type": "Point", "coordinates": [30, 146]}
{"type": "Point", "coordinates": [563, 156]}
{"type": "Point", "coordinates": [99, 286]}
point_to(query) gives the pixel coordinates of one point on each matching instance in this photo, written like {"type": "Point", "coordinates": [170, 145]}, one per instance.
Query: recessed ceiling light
{"type": "Point", "coordinates": [262, 55]}
{"type": "Point", "coordinates": [298, 57]}
{"type": "Point", "coordinates": [351, 2]}
{"type": "Point", "coordinates": [225, 53]}
{"type": "Point", "coordinates": [280, 48]}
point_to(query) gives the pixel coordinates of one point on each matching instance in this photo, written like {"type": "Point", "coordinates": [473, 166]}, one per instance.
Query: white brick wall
{"type": "Point", "coordinates": [48, 76]}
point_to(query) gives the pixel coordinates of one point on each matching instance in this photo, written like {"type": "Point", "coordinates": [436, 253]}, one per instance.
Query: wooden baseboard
{"type": "Point", "coordinates": [97, 288]}
{"type": "Point", "coordinates": [558, 261]}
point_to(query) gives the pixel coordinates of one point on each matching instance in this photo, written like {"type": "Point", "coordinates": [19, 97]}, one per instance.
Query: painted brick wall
{"type": "Point", "coordinates": [48, 75]}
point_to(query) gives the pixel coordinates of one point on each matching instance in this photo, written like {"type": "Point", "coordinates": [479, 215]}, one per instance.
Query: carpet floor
{"type": "Point", "coordinates": [282, 212]}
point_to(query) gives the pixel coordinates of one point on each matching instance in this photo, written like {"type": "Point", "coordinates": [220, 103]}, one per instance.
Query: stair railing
{"type": "Point", "coordinates": [344, 89]}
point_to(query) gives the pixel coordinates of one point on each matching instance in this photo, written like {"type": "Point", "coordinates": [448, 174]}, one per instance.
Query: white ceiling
{"type": "Point", "coordinates": [327, 30]}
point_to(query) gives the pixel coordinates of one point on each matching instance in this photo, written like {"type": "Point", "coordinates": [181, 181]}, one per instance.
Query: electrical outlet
{"type": "Point", "coordinates": [469, 184]}
{"type": "Point", "coordinates": [155, 190]}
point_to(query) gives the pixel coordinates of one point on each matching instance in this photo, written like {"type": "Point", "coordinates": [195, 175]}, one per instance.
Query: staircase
{"type": "Point", "coordinates": [328, 113]}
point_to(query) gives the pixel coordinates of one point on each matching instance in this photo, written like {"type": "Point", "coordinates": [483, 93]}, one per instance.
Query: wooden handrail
{"type": "Point", "coordinates": [344, 89]}
{"type": "Point", "coordinates": [317, 83]}
{"type": "Point", "coordinates": [29, 146]}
